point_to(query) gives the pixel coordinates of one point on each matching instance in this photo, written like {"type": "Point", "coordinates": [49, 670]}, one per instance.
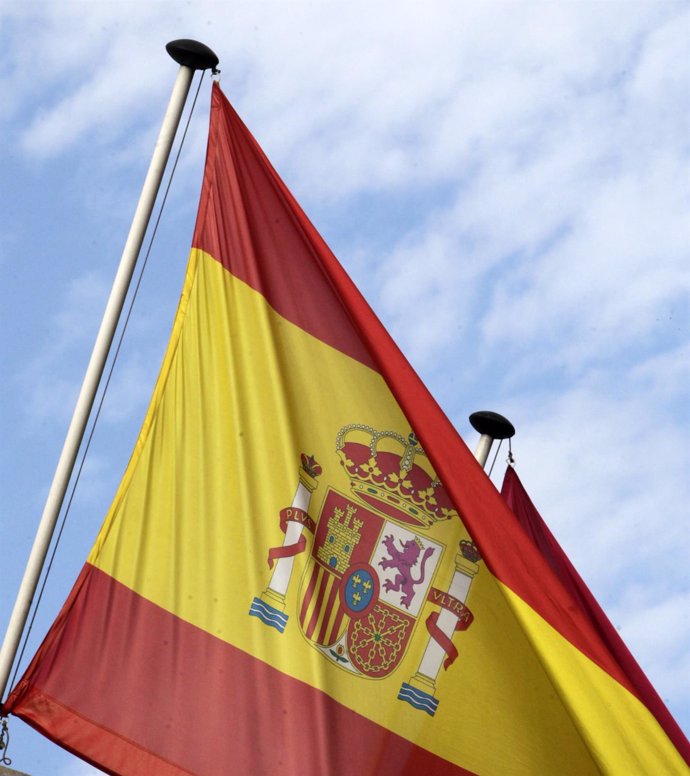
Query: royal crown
{"type": "Point", "coordinates": [469, 551]}
{"type": "Point", "coordinates": [393, 475]}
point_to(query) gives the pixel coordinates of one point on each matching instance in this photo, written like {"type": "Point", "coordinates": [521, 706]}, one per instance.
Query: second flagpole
{"type": "Point", "coordinates": [191, 56]}
{"type": "Point", "coordinates": [491, 426]}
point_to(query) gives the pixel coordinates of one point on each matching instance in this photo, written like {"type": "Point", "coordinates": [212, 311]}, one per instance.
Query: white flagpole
{"type": "Point", "coordinates": [191, 56]}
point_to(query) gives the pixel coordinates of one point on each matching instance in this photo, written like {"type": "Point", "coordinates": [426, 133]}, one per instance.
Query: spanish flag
{"type": "Point", "coordinates": [304, 570]}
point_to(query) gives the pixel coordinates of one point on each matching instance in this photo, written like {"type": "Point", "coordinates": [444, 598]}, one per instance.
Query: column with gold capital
{"type": "Point", "coordinates": [269, 607]}
{"type": "Point", "coordinates": [453, 616]}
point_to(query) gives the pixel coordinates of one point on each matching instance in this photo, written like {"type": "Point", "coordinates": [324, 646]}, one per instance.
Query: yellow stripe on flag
{"type": "Point", "coordinates": [206, 571]}
{"type": "Point", "coordinates": [592, 697]}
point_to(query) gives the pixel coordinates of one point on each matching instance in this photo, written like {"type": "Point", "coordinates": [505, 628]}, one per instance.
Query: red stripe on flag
{"type": "Point", "coordinates": [335, 630]}
{"type": "Point", "coordinates": [333, 600]}
{"type": "Point", "coordinates": [308, 595]}
{"type": "Point", "coordinates": [322, 582]}
{"type": "Point", "coordinates": [126, 653]}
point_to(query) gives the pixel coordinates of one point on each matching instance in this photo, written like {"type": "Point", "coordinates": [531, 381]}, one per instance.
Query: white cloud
{"type": "Point", "coordinates": [659, 629]}
{"type": "Point", "coordinates": [567, 226]}
{"type": "Point", "coordinates": [50, 382]}
{"type": "Point", "coordinates": [89, 110]}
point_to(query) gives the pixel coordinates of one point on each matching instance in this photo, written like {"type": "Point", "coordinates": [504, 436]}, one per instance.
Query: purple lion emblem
{"type": "Point", "coordinates": [403, 560]}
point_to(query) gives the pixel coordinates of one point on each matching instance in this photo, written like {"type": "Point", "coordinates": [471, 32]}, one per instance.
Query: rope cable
{"type": "Point", "coordinates": [511, 459]}
{"type": "Point", "coordinates": [500, 442]}
{"type": "Point", "coordinates": [104, 391]}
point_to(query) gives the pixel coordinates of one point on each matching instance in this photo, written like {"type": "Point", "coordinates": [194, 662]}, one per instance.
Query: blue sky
{"type": "Point", "coordinates": [508, 184]}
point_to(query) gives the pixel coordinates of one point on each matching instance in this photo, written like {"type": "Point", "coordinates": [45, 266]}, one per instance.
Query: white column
{"type": "Point", "coordinates": [434, 655]}
{"type": "Point", "coordinates": [277, 588]}
{"type": "Point", "coordinates": [465, 570]}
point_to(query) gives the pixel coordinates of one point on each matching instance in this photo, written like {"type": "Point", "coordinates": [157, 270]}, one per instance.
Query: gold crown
{"type": "Point", "coordinates": [393, 475]}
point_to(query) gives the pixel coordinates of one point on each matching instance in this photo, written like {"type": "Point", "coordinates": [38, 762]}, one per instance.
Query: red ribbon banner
{"type": "Point", "coordinates": [458, 609]}
{"type": "Point", "coordinates": [291, 515]}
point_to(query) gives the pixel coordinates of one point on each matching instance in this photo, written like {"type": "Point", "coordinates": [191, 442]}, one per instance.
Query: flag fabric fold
{"type": "Point", "coordinates": [518, 500]}
{"type": "Point", "coordinates": [304, 570]}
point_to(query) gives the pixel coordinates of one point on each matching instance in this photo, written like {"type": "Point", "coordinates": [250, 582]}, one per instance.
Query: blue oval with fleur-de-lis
{"type": "Point", "coordinates": [359, 589]}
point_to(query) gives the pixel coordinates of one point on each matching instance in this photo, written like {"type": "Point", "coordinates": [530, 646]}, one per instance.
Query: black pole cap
{"type": "Point", "coordinates": [191, 53]}
{"type": "Point", "coordinates": [492, 424]}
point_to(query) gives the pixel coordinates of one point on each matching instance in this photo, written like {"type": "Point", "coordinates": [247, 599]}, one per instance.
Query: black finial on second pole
{"type": "Point", "coordinates": [492, 424]}
{"type": "Point", "coordinates": [191, 53]}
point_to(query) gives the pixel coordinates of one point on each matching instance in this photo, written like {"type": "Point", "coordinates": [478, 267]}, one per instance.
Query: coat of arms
{"type": "Point", "coordinates": [373, 563]}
